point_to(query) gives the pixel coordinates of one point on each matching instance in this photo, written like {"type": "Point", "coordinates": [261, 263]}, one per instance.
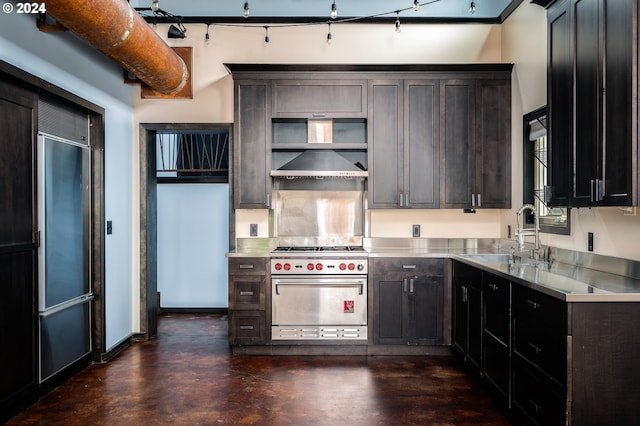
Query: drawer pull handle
{"type": "Point", "coordinates": [248, 266]}
{"type": "Point", "coordinates": [246, 327]}
{"type": "Point", "coordinates": [535, 348]}
{"type": "Point", "coordinates": [494, 287]}
{"type": "Point", "coordinates": [409, 266]}
{"type": "Point", "coordinates": [535, 406]}
{"type": "Point", "coordinates": [246, 293]}
{"type": "Point", "coordinates": [533, 304]}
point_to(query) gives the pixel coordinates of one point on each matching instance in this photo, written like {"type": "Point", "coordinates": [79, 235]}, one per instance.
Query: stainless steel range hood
{"type": "Point", "coordinates": [320, 163]}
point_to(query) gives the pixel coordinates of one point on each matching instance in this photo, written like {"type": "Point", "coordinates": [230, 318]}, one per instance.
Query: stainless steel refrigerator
{"type": "Point", "coordinates": [64, 264]}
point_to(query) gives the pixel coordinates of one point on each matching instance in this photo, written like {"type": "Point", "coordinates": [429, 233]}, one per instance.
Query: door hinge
{"type": "Point", "coordinates": [36, 239]}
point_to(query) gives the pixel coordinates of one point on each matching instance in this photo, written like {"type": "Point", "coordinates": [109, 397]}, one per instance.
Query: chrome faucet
{"type": "Point", "coordinates": [523, 232]}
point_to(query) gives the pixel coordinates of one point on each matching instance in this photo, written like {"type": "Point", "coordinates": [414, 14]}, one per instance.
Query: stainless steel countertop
{"type": "Point", "coordinates": [564, 279]}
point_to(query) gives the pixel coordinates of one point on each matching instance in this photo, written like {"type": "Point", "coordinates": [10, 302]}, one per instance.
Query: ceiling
{"type": "Point", "coordinates": [289, 11]}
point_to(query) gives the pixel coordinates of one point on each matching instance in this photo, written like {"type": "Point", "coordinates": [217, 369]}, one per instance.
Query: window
{"type": "Point", "coordinates": [552, 220]}
{"type": "Point", "coordinates": [192, 155]}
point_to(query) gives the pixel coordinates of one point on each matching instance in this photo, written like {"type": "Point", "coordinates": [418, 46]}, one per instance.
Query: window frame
{"type": "Point", "coordinates": [528, 176]}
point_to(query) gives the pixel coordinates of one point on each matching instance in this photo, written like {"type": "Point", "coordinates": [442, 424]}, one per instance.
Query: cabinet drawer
{"type": "Point", "coordinates": [540, 331]}
{"type": "Point", "coordinates": [247, 328]}
{"type": "Point", "coordinates": [247, 292]}
{"type": "Point", "coordinates": [247, 266]}
{"type": "Point", "coordinates": [497, 299]}
{"type": "Point", "coordinates": [496, 365]}
{"type": "Point", "coordinates": [409, 266]}
{"type": "Point", "coordinates": [540, 402]}
{"type": "Point", "coordinates": [320, 98]}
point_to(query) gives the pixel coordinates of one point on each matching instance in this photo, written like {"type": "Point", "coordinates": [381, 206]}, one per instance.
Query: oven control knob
{"type": "Point", "coordinates": [287, 266]}
{"type": "Point", "coordinates": [360, 267]}
{"type": "Point", "coordinates": [352, 266]}
{"type": "Point", "coordinates": [310, 266]}
{"type": "Point", "coordinates": [277, 266]}
{"type": "Point", "coordinates": [319, 266]}
{"type": "Point", "coordinates": [343, 266]}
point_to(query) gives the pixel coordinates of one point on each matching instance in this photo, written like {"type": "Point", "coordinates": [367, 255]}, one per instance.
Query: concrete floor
{"type": "Point", "coordinates": [187, 376]}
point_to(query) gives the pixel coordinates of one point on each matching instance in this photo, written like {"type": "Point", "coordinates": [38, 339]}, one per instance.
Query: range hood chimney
{"type": "Point", "coordinates": [320, 163]}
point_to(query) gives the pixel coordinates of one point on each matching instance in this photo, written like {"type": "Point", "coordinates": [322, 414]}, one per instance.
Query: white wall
{"type": "Point", "coordinates": [65, 61]}
{"type": "Point", "coordinates": [524, 42]}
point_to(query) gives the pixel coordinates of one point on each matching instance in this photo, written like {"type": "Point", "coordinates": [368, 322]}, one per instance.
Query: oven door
{"type": "Point", "coordinates": [327, 300]}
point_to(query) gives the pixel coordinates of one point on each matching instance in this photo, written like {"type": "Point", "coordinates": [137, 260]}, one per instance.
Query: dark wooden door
{"type": "Point", "coordinates": [389, 311]}
{"type": "Point", "coordinates": [617, 163]}
{"type": "Point", "coordinates": [493, 144]}
{"type": "Point", "coordinates": [588, 101]}
{"type": "Point", "coordinates": [252, 185]}
{"type": "Point", "coordinates": [422, 144]}
{"type": "Point", "coordinates": [17, 250]}
{"type": "Point", "coordinates": [496, 299]}
{"type": "Point", "coordinates": [385, 144]}
{"type": "Point", "coordinates": [457, 141]}
{"type": "Point", "coordinates": [426, 303]}
{"type": "Point", "coordinates": [467, 311]}
{"type": "Point", "coordinates": [560, 100]}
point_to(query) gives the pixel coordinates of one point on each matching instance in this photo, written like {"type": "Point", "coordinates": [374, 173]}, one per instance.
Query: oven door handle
{"type": "Point", "coordinates": [359, 285]}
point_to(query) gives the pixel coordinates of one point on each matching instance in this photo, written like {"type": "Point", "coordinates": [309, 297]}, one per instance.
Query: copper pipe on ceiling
{"type": "Point", "coordinates": [116, 29]}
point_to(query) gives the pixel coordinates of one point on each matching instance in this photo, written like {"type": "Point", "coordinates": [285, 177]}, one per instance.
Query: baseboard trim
{"type": "Point", "coordinates": [216, 311]}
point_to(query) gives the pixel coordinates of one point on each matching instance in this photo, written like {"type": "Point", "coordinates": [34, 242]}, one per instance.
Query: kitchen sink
{"type": "Point", "coordinates": [491, 257]}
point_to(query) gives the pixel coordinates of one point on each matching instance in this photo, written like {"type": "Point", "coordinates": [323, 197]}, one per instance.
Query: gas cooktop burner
{"type": "Point", "coordinates": [321, 248]}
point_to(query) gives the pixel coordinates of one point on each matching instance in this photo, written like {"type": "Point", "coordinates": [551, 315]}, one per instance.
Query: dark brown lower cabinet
{"type": "Point", "coordinates": [552, 361]}
{"type": "Point", "coordinates": [248, 301]}
{"type": "Point", "coordinates": [247, 327]}
{"type": "Point", "coordinates": [467, 314]}
{"type": "Point", "coordinates": [536, 398]}
{"type": "Point", "coordinates": [408, 301]}
{"type": "Point", "coordinates": [496, 338]}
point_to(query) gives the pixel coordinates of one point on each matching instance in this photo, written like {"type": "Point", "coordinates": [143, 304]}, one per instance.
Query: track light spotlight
{"type": "Point", "coordinates": [206, 36]}
{"type": "Point", "coordinates": [416, 5]}
{"type": "Point", "coordinates": [334, 10]}
{"type": "Point", "coordinates": [245, 12]}
{"type": "Point", "coordinates": [329, 37]}
{"type": "Point", "coordinates": [266, 35]}
{"type": "Point", "coordinates": [398, 29]}
{"type": "Point", "coordinates": [154, 6]}
{"type": "Point", "coordinates": [175, 32]}
{"type": "Point", "coordinates": [472, 7]}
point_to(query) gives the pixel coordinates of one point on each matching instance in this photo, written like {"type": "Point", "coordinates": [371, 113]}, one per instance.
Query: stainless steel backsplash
{"type": "Point", "coordinates": [319, 217]}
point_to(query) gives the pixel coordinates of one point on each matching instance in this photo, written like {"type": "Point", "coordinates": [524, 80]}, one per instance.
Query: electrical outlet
{"type": "Point", "coordinates": [416, 231]}
{"type": "Point", "coordinates": [253, 230]}
{"type": "Point", "coordinates": [109, 227]}
{"type": "Point", "coordinates": [508, 232]}
{"type": "Point", "coordinates": [590, 241]}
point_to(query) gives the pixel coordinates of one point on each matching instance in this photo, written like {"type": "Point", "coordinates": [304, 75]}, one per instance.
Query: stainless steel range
{"type": "Point", "coordinates": [319, 293]}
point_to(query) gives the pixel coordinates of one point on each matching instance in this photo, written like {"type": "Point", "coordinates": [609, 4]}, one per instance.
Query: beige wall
{"type": "Point", "coordinates": [359, 43]}
{"type": "Point", "coordinates": [520, 40]}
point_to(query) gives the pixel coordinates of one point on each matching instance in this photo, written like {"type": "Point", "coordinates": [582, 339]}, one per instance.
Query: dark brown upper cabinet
{"type": "Point", "coordinates": [404, 130]}
{"type": "Point", "coordinates": [476, 142]}
{"type": "Point", "coordinates": [252, 144]}
{"type": "Point", "coordinates": [593, 129]}
{"type": "Point", "coordinates": [301, 98]}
